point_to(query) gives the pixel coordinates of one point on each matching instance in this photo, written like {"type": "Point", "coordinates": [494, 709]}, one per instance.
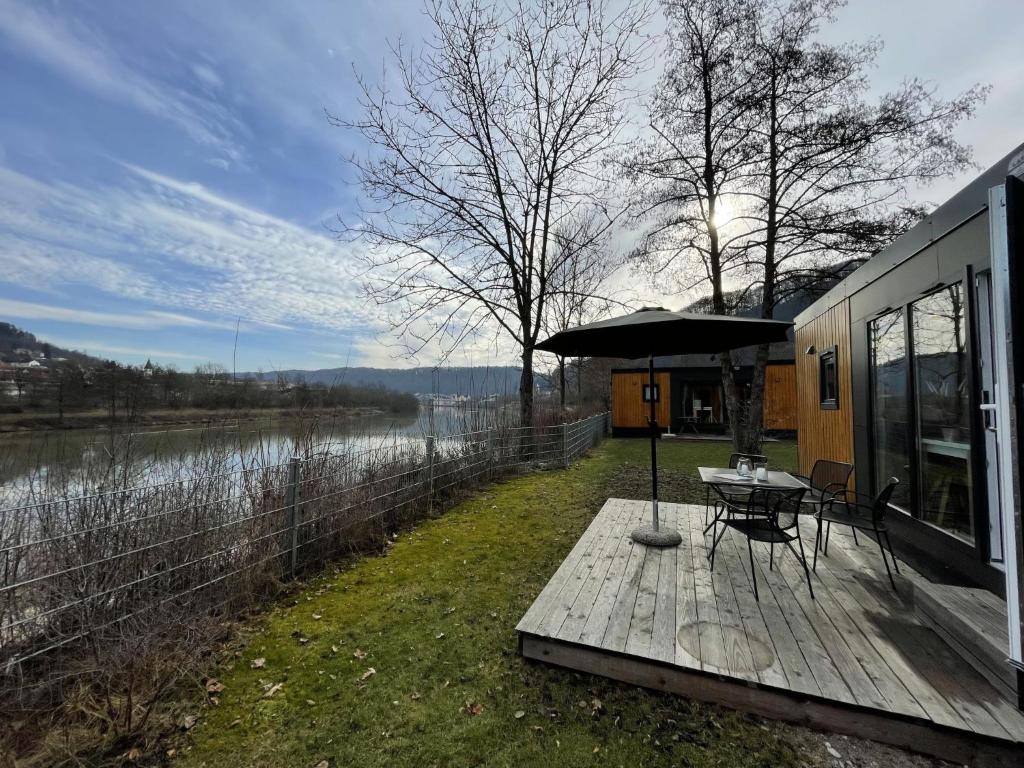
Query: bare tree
{"type": "Point", "coordinates": [487, 141]}
{"type": "Point", "coordinates": [815, 171]}
{"type": "Point", "coordinates": [578, 290]}
{"type": "Point", "coordinates": [700, 154]}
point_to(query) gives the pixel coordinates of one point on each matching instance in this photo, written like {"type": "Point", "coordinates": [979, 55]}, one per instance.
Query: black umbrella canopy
{"type": "Point", "coordinates": [657, 331]}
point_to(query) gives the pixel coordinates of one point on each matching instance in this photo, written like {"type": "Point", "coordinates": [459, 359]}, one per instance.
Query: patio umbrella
{"type": "Point", "coordinates": [654, 331]}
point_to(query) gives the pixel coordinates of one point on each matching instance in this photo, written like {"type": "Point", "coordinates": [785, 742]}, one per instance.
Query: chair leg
{"type": "Point", "coordinates": [885, 559]}
{"type": "Point", "coordinates": [817, 545]}
{"type": "Point", "coordinates": [753, 572]}
{"type": "Point", "coordinates": [771, 556]}
{"type": "Point", "coordinates": [828, 530]}
{"type": "Point", "coordinates": [888, 543]}
{"type": "Point", "coordinates": [714, 518]}
{"type": "Point", "coordinates": [856, 543]}
{"type": "Point", "coordinates": [714, 540]}
{"type": "Point", "coordinates": [707, 504]}
{"type": "Point", "coordinates": [803, 561]}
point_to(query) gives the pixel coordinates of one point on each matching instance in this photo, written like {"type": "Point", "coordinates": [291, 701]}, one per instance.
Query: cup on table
{"type": "Point", "coordinates": [744, 467]}
{"type": "Point", "coordinates": [761, 471]}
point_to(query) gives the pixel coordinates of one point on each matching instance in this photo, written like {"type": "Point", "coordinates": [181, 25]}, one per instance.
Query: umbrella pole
{"type": "Point", "coordinates": [652, 535]}
{"type": "Point", "coordinates": [653, 421]}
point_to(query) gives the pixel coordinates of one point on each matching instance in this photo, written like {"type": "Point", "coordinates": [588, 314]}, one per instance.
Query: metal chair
{"type": "Point", "coordinates": [828, 478]}
{"type": "Point", "coordinates": [741, 493]}
{"type": "Point", "coordinates": [851, 510]}
{"type": "Point", "coordinates": [771, 516]}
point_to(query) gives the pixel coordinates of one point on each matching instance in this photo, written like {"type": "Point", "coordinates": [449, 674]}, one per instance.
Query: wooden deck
{"type": "Point", "coordinates": [856, 660]}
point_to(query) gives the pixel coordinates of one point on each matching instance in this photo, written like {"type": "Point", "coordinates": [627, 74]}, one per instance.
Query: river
{"type": "Point", "coordinates": [67, 459]}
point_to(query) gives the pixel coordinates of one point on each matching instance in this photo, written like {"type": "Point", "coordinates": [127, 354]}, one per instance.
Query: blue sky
{"type": "Point", "coordinates": [166, 169]}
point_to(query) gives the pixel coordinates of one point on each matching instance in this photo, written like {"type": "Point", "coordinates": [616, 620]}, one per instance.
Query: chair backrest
{"type": "Point", "coordinates": [830, 475]}
{"type": "Point", "coordinates": [734, 460]}
{"type": "Point", "coordinates": [783, 506]}
{"type": "Point", "coordinates": [881, 504]}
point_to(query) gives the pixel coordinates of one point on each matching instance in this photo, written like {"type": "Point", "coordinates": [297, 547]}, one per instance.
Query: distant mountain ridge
{"type": "Point", "coordinates": [479, 381]}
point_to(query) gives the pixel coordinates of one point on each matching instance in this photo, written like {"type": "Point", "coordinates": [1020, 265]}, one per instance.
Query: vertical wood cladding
{"type": "Point", "coordinates": [824, 434]}
{"type": "Point", "coordinates": [628, 406]}
{"type": "Point", "coordinates": [780, 406]}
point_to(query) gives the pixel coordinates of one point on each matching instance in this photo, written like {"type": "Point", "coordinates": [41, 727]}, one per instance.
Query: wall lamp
{"type": "Point", "coordinates": [810, 350]}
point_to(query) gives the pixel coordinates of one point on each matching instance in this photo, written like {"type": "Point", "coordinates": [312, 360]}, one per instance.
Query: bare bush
{"type": "Point", "coordinates": [109, 597]}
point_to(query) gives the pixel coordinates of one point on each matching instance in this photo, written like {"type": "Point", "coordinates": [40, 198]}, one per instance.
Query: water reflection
{"type": "Point", "coordinates": [78, 460]}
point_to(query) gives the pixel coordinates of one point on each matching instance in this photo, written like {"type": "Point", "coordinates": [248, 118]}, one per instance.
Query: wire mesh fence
{"type": "Point", "coordinates": [86, 578]}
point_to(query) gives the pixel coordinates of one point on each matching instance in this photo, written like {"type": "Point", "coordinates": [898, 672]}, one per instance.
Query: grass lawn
{"type": "Point", "coordinates": [410, 659]}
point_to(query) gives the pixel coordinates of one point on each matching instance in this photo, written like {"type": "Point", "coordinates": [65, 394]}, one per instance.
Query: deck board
{"type": "Point", "coordinates": [858, 651]}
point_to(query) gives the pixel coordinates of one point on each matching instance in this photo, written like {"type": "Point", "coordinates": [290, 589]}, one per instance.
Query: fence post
{"type": "Point", "coordinates": [292, 502]}
{"type": "Point", "coordinates": [565, 444]}
{"type": "Point", "coordinates": [430, 474]}
{"type": "Point", "coordinates": [491, 460]}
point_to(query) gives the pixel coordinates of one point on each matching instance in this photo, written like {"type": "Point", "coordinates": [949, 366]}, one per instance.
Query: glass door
{"type": "Point", "coordinates": [941, 375]}
{"type": "Point", "coordinates": [889, 404]}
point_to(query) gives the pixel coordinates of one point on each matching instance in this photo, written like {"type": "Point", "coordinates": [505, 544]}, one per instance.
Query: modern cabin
{"type": "Point", "coordinates": [689, 395]}
{"type": "Point", "coordinates": [911, 367]}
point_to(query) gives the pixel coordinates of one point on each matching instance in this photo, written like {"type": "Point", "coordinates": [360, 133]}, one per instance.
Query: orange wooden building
{"type": "Point", "coordinates": [690, 397]}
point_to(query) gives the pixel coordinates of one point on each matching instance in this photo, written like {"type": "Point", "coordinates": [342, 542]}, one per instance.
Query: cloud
{"type": "Point", "coordinates": [178, 246]}
{"type": "Point", "coordinates": [145, 321]}
{"type": "Point", "coordinates": [102, 347]}
{"type": "Point", "coordinates": [85, 57]}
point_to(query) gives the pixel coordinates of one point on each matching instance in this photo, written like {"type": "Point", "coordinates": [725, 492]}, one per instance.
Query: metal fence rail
{"type": "Point", "coordinates": [74, 570]}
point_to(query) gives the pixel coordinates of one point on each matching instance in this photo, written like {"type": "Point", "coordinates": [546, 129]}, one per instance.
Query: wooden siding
{"type": "Point", "coordinates": [780, 397]}
{"type": "Point", "coordinates": [824, 434]}
{"type": "Point", "coordinates": [628, 407]}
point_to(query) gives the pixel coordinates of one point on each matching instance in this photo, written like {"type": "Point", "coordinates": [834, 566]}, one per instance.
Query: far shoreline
{"type": "Point", "coordinates": [27, 423]}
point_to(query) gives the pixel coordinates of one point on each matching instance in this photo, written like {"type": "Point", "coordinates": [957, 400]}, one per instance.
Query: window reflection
{"type": "Point", "coordinates": [940, 370]}
{"type": "Point", "coordinates": [889, 403]}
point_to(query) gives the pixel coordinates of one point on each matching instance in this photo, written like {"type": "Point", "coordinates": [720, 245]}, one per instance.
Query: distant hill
{"type": "Point", "coordinates": [480, 381]}
{"type": "Point", "coordinates": [13, 339]}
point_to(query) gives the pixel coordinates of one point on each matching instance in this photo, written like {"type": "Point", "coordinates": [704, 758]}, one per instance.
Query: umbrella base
{"type": "Point", "coordinates": [663, 537]}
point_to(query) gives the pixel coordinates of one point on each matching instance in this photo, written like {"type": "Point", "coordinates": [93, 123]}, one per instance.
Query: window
{"type": "Point", "coordinates": [828, 380]}
{"type": "Point", "coordinates": [647, 393]}
{"type": "Point", "coordinates": [938, 339]}
{"type": "Point", "coordinates": [887, 337]}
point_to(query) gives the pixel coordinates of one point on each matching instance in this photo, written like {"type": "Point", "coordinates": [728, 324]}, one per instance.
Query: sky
{"type": "Point", "coordinates": [168, 176]}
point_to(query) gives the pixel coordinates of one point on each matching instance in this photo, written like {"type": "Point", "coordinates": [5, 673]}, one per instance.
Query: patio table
{"type": "Point", "coordinates": [775, 481]}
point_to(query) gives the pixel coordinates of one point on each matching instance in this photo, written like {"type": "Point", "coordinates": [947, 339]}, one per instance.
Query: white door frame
{"type": "Point", "coordinates": [1001, 308]}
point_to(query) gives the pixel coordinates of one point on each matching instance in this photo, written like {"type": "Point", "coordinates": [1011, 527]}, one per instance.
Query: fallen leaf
{"type": "Point", "coordinates": [359, 654]}
{"type": "Point", "coordinates": [519, 714]}
{"type": "Point", "coordinates": [273, 689]}
{"type": "Point", "coordinates": [188, 722]}
{"type": "Point", "coordinates": [214, 685]}
{"type": "Point", "coordinates": [474, 707]}
{"type": "Point", "coordinates": [439, 635]}
{"type": "Point", "coordinates": [322, 764]}
{"type": "Point", "coordinates": [368, 674]}
{"type": "Point", "coordinates": [317, 617]}
{"type": "Point", "coordinates": [310, 702]}
{"type": "Point", "coordinates": [258, 663]}
{"type": "Point", "coordinates": [414, 696]}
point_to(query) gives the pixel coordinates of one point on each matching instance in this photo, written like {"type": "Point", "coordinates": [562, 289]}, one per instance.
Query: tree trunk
{"type": "Point", "coordinates": [746, 415]}
{"type": "Point", "coordinates": [526, 389]}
